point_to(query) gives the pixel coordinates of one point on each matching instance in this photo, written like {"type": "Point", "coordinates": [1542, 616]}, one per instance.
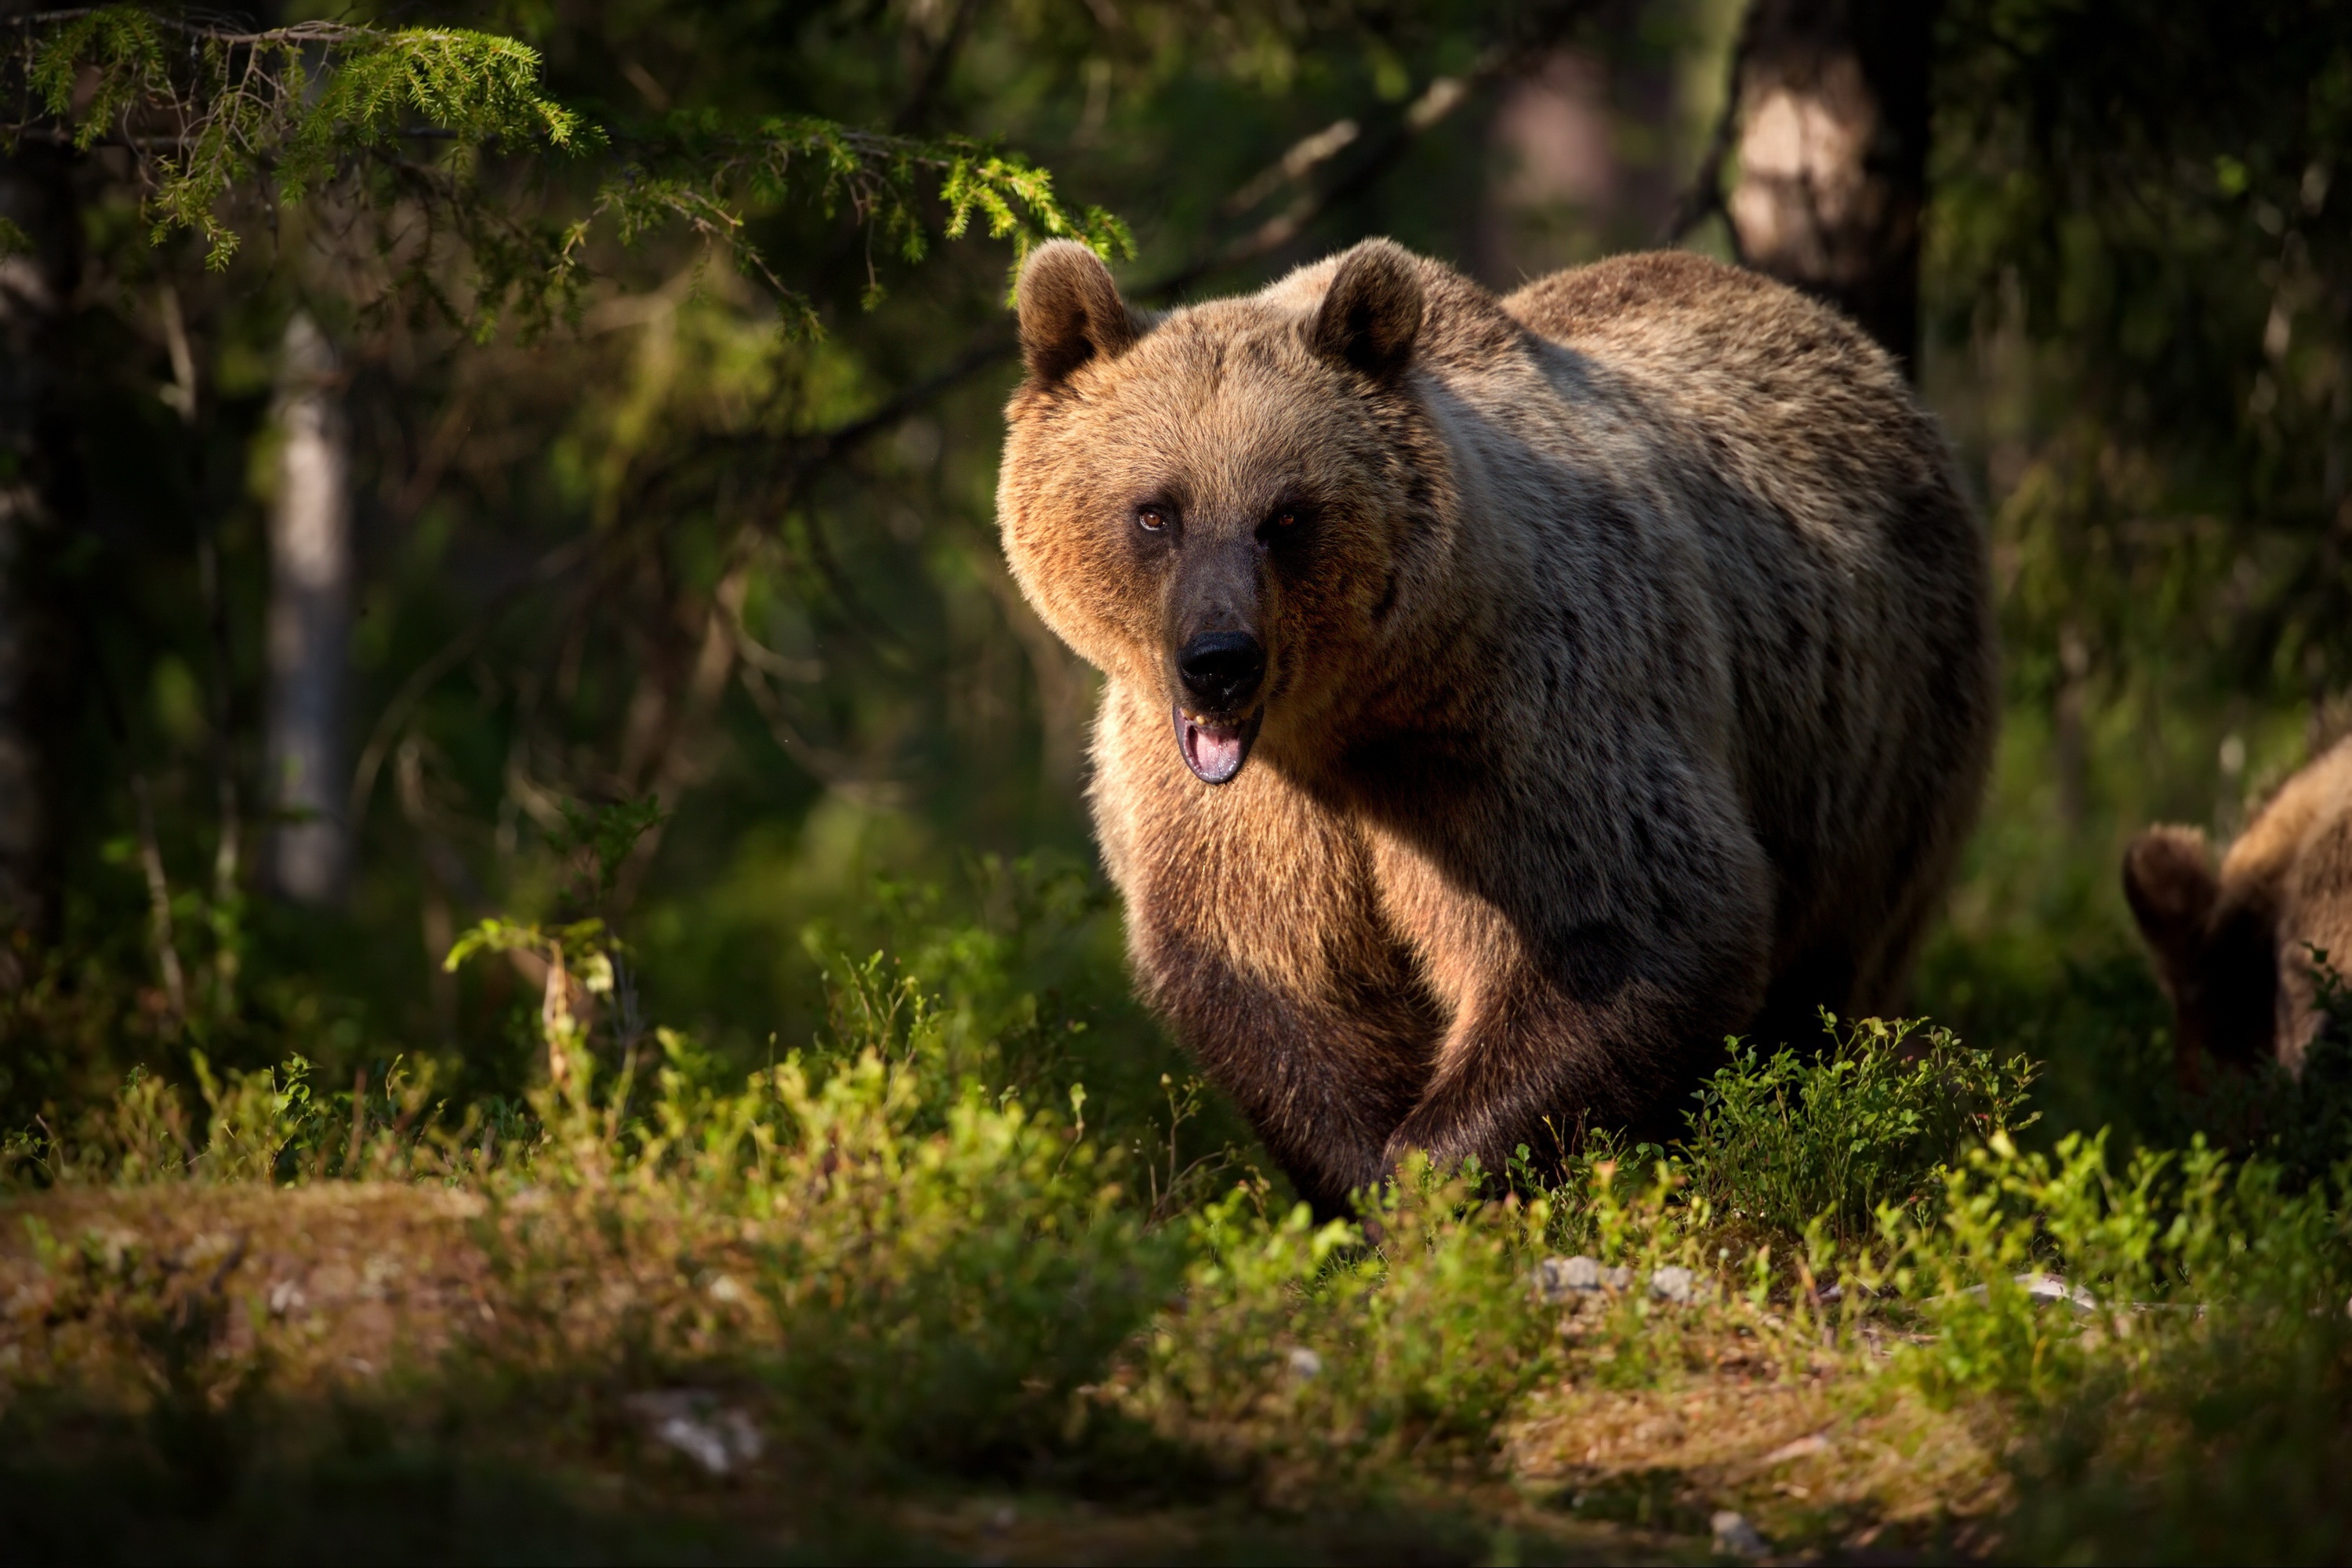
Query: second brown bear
{"type": "Point", "coordinates": [1506, 699]}
{"type": "Point", "coordinates": [2239, 946]}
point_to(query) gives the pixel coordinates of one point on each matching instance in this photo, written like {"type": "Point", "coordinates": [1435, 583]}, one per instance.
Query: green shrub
{"type": "Point", "coordinates": [911, 1256]}
{"type": "Point", "coordinates": [1326, 1364]}
{"type": "Point", "coordinates": [1875, 1120]}
{"type": "Point", "coordinates": [2194, 1400]}
{"type": "Point", "coordinates": [912, 1284]}
{"type": "Point", "coordinates": [2232, 1447]}
{"type": "Point", "coordinates": [2171, 1250]}
{"type": "Point", "coordinates": [919, 1267]}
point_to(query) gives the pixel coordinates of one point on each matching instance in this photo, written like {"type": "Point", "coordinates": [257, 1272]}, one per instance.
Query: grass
{"type": "Point", "coordinates": [910, 1294]}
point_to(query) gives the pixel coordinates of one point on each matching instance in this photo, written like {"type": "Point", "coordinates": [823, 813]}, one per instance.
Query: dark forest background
{"type": "Point", "coordinates": [418, 558]}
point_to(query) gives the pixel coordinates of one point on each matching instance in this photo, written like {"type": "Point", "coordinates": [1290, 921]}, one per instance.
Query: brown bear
{"type": "Point", "coordinates": [1506, 699]}
{"type": "Point", "coordinates": [2235, 946]}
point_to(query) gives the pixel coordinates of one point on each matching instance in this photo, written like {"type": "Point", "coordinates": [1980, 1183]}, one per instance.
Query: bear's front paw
{"type": "Point", "coordinates": [1443, 1153]}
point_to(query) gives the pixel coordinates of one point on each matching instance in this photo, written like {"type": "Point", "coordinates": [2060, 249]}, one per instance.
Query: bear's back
{"type": "Point", "coordinates": [2268, 859]}
{"type": "Point", "coordinates": [1783, 379]}
{"type": "Point", "coordinates": [1582, 302]}
{"type": "Point", "coordinates": [2294, 861]}
{"type": "Point", "coordinates": [1836, 530]}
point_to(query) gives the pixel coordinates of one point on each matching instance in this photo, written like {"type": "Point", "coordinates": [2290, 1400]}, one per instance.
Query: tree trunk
{"type": "Point", "coordinates": [309, 624]}
{"type": "Point", "coordinates": [36, 496]}
{"type": "Point", "coordinates": [1832, 140]}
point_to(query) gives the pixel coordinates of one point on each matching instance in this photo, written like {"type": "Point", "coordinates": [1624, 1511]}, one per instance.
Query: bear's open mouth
{"type": "Point", "coordinates": [1213, 751]}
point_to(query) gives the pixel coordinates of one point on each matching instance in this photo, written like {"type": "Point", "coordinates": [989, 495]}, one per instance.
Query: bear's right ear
{"type": "Point", "coordinates": [2170, 882]}
{"type": "Point", "coordinates": [1371, 313]}
{"type": "Point", "coordinates": [1070, 311]}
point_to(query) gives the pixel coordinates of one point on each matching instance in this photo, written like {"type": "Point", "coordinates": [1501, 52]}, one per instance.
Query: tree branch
{"type": "Point", "coordinates": [564, 558]}
{"type": "Point", "coordinates": [1703, 197]}
{"type": "Point", "coordinates": [219, 32]}
{"type": "Point", "coordinates": [1436, 102]}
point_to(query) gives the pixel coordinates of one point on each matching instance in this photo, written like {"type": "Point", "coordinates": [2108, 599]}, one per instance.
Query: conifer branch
{"type": "Point", "coordinates": [209, 113]}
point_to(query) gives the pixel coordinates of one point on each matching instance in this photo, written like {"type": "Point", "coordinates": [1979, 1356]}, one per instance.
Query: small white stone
{"type": "Point", "coordinates": [1674, 1283]}
{"type": "Point", "coordinates": [2049, 1287]}
{"type": "Point", "coordinates": [1735, 1537]}
{"type": "Point", "coordinates": [719, 1439]}
{"type": "Point", "coordinates": [1564, 1279]}
{"type": "Point", "coordinates": [702, 1444]}
{"type": "Point", "coordinates": [1305, 1363]}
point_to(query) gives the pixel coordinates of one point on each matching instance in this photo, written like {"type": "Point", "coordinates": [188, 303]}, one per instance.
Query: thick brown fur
{"type": "Point", "coordinates": [2233, 943]}
{"type": "Point", "coordinates": [1630, 679]}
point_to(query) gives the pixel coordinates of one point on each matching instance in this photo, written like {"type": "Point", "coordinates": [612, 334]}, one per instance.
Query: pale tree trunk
{"type": "Point", "coordinates": [309, 623]}
{"type": "Point", "coordinates": [1832, 122]}
{"type": "Point", "coordinates": [37, 288]}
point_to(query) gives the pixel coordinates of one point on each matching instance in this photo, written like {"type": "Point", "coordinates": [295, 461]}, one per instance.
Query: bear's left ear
{"type": "Point", "coordinates": [2170, 882]}
{"type": "Point", "coordinates": [1371, 315]}
{"type": "Point", "coordinates": [1070, 311]}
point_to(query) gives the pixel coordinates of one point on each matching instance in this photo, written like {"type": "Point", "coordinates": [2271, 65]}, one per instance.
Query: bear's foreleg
{"type": "Point", "coordinates": [1324, 1073]}
{"type": "Point", "coordinates": [1530, 1067]}
{"type": "Point", "coordinates": [1596, 1027]}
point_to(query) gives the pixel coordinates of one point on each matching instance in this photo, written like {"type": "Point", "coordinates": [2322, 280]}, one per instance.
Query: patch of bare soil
{"type": "Point", "coordinates": [1839, 1458]}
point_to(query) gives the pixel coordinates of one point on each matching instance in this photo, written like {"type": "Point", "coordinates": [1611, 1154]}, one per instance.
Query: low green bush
{"type": "Point", "coordinates": [918, 1254]}
{"type": "Point", "coordinates": [1328, 1364]}
{"type": "Point", "coordinates": [1876, 1119]}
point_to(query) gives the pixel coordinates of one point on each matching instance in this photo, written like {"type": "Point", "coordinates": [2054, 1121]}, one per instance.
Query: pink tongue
{"type": "Point", "coordinates": [1214, 754]}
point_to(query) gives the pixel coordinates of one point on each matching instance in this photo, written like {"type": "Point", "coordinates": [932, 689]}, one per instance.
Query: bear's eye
{"type": "Point", "coordinates": [1150, 519]}
{"type": "Point", "coordinates": [1282, 523]}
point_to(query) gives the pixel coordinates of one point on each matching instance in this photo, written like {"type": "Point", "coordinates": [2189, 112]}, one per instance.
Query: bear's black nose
{"type": "Point", "coordinates": [1221, 670]}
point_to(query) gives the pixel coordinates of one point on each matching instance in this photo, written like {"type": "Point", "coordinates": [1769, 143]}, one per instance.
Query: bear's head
{"type": "Point", "coordinates": [2218, 964]}
{"type": "Point", "coordinates": [1213, 507]}
{"type": "Point", "coordinates": [2235, 944]}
